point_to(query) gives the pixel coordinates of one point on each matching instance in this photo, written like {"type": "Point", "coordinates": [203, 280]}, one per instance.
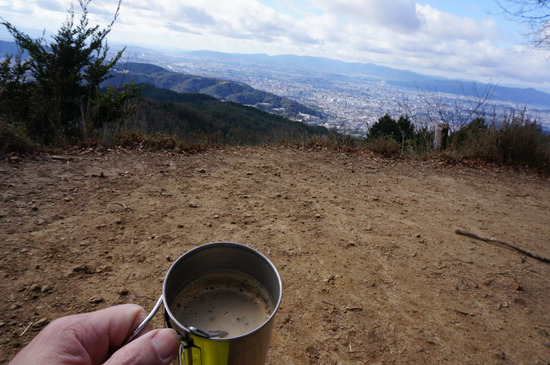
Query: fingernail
{"type": "Point", "coordinates": [166, 344]}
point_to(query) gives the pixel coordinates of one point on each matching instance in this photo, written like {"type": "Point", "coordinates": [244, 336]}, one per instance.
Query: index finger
{"type": "Point", "coordinates": [102, 331]}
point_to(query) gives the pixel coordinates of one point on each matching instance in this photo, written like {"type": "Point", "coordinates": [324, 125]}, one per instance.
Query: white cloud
{"type": "Point", "coordinates": [446, 26]}
{"type": "Point", "coordinates": [399, 15]}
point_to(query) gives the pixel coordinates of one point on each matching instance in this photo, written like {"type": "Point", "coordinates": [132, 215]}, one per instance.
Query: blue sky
{"type": "Point", "coordinates": [459, 39]}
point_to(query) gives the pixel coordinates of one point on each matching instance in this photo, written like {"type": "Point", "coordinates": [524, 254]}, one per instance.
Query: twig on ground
{"type": "Point", "coordinates": [124, 205]}
{"type": "Point", "coordinates": [507, 244]}
{"type": "Point", "coordinates": [26, 329]}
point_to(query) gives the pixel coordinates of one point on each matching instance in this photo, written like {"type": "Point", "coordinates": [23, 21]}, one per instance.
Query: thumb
{"type": "Point", "coordinates": [157, 347]}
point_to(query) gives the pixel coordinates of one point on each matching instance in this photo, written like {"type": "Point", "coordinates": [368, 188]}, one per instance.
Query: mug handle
{"type": "Point", "coordinates": [145, 321]}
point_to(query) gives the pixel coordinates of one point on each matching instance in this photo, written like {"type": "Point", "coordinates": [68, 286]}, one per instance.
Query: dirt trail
{"type": "Point", "coordinates": [372, 269]}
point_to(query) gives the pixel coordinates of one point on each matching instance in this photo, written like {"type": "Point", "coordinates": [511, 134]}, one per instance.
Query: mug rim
{"type": "Point", "coordinates": [186, 330]}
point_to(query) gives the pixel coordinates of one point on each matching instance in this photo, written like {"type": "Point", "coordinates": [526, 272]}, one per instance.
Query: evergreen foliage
{"type": "Point", "coordinates": [64, 103]}
{"type": "Point", "coordinates": [401, 131]}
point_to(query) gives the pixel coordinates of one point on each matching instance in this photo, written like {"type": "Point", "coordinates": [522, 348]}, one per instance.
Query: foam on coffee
{"type": "Point", "coordinates": [232, 302]}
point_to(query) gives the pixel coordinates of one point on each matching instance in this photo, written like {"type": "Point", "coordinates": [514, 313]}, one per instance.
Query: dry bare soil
{"type": "Point", "coordinates": [372, 268]}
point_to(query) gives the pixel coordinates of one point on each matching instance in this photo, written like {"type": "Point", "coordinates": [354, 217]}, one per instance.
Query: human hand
{"type": "Point", "coordinates": [97, 337]}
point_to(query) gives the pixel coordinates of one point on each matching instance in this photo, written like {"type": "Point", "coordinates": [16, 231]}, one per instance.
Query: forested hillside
{"type": "Point", "coordinates": [219, 89]}
{"type": "Point", "coordinates": [195, 117]}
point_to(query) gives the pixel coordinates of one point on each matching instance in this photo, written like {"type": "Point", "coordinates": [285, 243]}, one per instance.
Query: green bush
{"type": "Point", "coordinates": [13, 138]}
{"type": "Point", "coordinates": [520, 142]}
{"type": "Point", "coordinates": [516, 140]}
{"type": "Point", "coordinates": [400, 130]}
{"type": "Point", "coordinates": [471, 140]}
{"type": "Point", "coordinates": [386, 146]}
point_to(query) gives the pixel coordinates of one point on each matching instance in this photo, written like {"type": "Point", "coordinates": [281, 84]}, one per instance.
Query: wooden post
{"type": "Point", "coordinates": [440, 137]}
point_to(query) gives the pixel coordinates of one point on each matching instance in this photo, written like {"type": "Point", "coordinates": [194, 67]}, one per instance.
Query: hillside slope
{"type": "Point", "coordinates": [198, 117]}
{"type": "Point", "coordinates": [219, 89]}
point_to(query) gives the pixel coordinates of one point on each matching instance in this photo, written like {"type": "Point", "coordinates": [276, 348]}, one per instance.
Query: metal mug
{"type": "Point", "coordinates": [200, 347]}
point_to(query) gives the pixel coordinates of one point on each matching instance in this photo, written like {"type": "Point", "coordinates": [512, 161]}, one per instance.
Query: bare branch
{"type": "Point", "coordinates": [535, 14]}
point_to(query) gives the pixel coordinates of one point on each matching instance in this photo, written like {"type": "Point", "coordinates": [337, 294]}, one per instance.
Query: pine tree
{"type": "Point", "coordinates": [67, 74]}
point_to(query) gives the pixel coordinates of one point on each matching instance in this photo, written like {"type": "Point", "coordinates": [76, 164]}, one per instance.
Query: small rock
{"type": "Point", "coordinates": [96, 299]}
{"type": "Point", "coordinates": [368, 228]}
{"type": "Point", "coordinates": [318, 215]}
{"type": "Point", "coordinates": [312, 351]}
{"type": "Point", "coordinates": [180, 226]}
{"type": "Point", "coordinates": [193, 205]}
{"type": "Point", "coordinates": [46, 289]}
{"type": "Point", "coordinates": [35, 287]}
{"type": "Point", "coordinates": [249, 173]}
{"type": "Point", "coordinates": [82, 268]}
{"type": "Point", "coordinates": [104, 268]}
{"type": "Point", "coordinates": [40, 222]}
{"type": "Point", "coordinates": [122, 291]}
{"type": "Point", "coordinates": [202, 171]}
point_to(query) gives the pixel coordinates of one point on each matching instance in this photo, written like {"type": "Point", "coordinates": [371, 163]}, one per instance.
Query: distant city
{"type": "Point", "coordinates": [352, 102]}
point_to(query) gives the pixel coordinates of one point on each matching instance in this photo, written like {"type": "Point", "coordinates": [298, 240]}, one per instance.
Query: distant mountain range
{"type": "Point", "coordinates": [313, 64]}
{"type": "Point", "coordinates": [9, 48]}
{"type": "Point", "coordinates": [368, 72]}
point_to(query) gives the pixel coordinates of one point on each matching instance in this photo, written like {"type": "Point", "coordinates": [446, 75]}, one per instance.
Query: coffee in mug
{"type": "Point", "coordinates": [231, 302]}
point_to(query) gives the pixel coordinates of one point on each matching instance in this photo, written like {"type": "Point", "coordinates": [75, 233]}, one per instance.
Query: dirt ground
{"type": "Point", "coordinates": [372, 269]}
